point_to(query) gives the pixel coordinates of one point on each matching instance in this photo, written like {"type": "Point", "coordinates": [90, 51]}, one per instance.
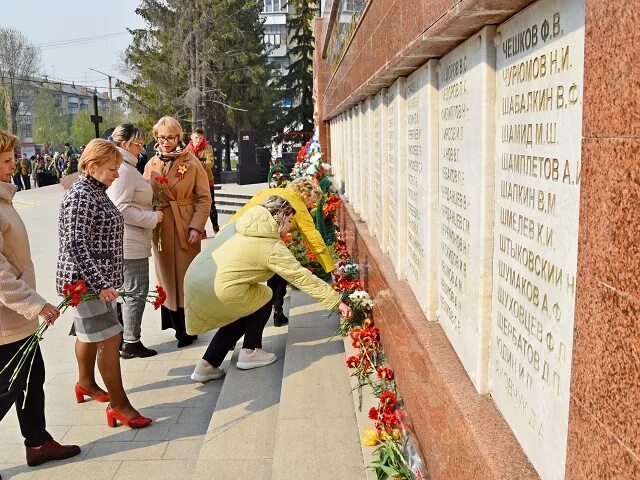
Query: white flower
{"type": "Point", "coordinates": [361, 299]}
{"type": "Point", "coordinates": [351, 270]}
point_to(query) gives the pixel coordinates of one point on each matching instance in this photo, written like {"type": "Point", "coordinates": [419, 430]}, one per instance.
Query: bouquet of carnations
{"type": "Point", "coordinates": [73, 294]}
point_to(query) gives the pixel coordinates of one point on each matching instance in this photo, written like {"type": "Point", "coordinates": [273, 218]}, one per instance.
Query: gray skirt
{"type": "Point", "coordinates": [95, 321]}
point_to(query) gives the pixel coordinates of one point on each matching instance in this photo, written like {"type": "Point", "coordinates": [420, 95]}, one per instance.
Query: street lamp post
{"type": "Point", "coordinates": [110, 89]}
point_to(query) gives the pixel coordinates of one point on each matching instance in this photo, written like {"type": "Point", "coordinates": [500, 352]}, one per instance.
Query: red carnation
{"type": "Point", "coordinates": [373, 413]}
{"type": "Point", "coordinates": [161, 179]}
{"type": "Point", "coordinates": [390, 419]}
{"type": "Point", "coordinates": [385, 373]}
{"type": "Point", "coordinates": [162, 296]}
{"type": "Point", "coordinates": [74, 292]}
{"type": "Point", "coordinates": [388, 400]}
{"type": "Point", "coordinates": [353, 361]}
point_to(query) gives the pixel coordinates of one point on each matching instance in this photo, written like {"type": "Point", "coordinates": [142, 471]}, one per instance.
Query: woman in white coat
{"type": "Point", "coordinates": [133, 196]}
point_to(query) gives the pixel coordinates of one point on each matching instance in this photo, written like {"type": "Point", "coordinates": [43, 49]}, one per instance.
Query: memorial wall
{"type": "Point", "coordinates": [468, 173]}
{"type": "Point", "coordinates": [539, 77]}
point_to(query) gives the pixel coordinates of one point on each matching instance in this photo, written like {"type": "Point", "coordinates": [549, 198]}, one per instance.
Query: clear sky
{"type": "Point", "coordinates": [49, 21]}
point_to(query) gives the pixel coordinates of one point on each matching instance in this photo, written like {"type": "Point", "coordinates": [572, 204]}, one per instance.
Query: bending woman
{"type": "Point", "coordinates": [224, 289]}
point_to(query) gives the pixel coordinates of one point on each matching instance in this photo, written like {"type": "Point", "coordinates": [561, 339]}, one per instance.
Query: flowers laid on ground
{"type": "Point", "coordinates": [350, 270]}
{"type": "Point", "coordinates": [331, 205]}
{"type": "Point", "coordinates": [73, 294]}
{"type": "Point", "coordinates": [390, 435]}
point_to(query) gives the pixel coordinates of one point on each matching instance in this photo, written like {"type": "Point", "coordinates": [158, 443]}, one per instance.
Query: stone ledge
{"type": "Point", "coordinates": [453, 25]}
{"type": "Point", "coordinates": [461, 434]}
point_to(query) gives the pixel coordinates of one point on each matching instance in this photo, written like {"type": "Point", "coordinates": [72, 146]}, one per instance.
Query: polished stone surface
{"type": "Point", "coordinates": [461, 434]}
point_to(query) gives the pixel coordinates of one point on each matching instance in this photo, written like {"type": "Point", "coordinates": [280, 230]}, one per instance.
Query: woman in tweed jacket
{"type": "Point", "coordinates": [91, 237]}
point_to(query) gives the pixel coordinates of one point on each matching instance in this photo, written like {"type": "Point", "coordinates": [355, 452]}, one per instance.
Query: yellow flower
{"type": "Point", "coordinates": [395, 433]}
{"type": "Point", "coordinates": [182, 169]}
{"type": "Point", "coordinates": [384, 436]}
{"type": "Point", "coordinates": [371, 437]}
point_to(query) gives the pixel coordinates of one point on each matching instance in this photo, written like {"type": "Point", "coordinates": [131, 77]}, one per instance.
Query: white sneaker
{"type": "Point", "coordinates": [204, 372]}
{"type": "Point", "coordinates": [249, 359]}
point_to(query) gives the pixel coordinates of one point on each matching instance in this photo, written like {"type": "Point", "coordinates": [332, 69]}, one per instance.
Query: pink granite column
{"type": "Point", "coordinates": [604, 416]}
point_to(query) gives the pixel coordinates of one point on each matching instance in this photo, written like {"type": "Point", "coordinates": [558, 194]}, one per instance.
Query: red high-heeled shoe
{"type": "Point", "coordinates": [81, 393]}
{"type": "Point", "coordinates": [137, 422]}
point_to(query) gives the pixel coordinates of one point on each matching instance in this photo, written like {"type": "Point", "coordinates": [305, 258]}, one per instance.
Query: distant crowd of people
{"type": "Point", "coordinates": [112, 220]}
{"type": "Point", "coordinates": [43, 170]}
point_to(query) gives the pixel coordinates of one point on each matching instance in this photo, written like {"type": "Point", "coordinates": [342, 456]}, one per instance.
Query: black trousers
{"type": "Point", "coordinates": [213, 214]}
{"type": "Point", "coordinates": [17, 180]}
{"type": "Point", "coordinates": [31, 417]}
{"type": "Point", "coordinates": [26, 181]}
{"type": "Point", "coordinates": [226, 337]}
{"type": "Point", "coordinates": [279, 287]}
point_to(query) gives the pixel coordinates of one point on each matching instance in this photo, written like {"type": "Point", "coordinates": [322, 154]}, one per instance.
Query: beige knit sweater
{"type": "Point", "coordinates": [20, 304]}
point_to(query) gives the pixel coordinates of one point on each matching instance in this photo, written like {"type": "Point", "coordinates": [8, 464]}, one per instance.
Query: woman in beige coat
{"type": "Point", "coordinates": [20, 306]}
{"type": "Point", "coordinates": [181, 192]}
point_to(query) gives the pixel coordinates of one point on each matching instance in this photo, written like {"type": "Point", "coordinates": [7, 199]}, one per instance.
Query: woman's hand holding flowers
{"type": "Point", "coordinates": [49, 314]}
{"type": "Point", "coordinates": [345, 310]}
{"type": "Point", "coordinates": [108, 294]}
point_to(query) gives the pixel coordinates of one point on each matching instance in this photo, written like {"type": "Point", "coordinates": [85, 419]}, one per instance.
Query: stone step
{"type": "Point", "coordinates": [230, 203]}
{"type": "Point", "coordinates": [317, 436]}
{"type": "Point", "coordinates": [227, 195]}
{"type": "Point", "coordinates": [239, 442]}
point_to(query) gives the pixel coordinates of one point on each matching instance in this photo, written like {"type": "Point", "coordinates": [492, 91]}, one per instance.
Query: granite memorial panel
{"type": "Point", "coordinates": [466, 78]}
{"type": "Point", "coordinates": [365, 159]}
{"type": "Point", "coordinates": [539, 84]}
{"type": "Point", "coordinates": [422, 185]}
{"type": "Point", "coordinates": [395, 231]}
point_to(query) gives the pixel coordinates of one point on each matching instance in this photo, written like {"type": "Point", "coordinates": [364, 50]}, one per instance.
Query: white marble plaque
{"type": "Point", "coordinates": [356, 176]}
{"type": "Point", "coordinates": [422, 186]}
{"type": "Point", "coordinates": [396, 228]}
{"type": "Point", "coordinates": [349, 160]}
{"type": "Point", "coordinates": [344, 162]}
{"type": "Point", "coordinates": [466, 150]}
{"type": "Point", "coordinates": [379, 159]}
{"type": "Point", "coordinates": [342, 155]}
{"type": "Point", "coordinates": [539, 84]}
{"type": "Point", "coordinates": [365, 158]}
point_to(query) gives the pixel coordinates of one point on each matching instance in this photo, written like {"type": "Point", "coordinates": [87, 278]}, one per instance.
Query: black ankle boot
{"type": "Point", "coordinates": [185, 340]}
{"type": "Point", "coordinates": [279, 319]}
{"type": "Point", "coordinates": [136, 350]}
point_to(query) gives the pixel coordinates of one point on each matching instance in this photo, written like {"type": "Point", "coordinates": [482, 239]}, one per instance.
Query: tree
{"type": "Point", "coordinates": [297, 85]}
{"type": "Point", "coordinates": [203, 62]}
{"type": "Point", "coordinates": [82, 130]}
{"type": "Point", "coordinates": [3, 114]}
{"type": "Point", "coordinates": [19, 62]}
{"type": "Point", "coordinates": [51, 125]}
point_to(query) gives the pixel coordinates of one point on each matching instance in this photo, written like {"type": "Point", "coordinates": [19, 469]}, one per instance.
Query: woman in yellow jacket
{"type": "Point", "coordinates": [302, 194]}
{"type": "Point", "coordinates": [224, 286]}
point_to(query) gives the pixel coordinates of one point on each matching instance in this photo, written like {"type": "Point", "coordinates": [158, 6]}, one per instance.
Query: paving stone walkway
{"type": "Point", "coordinates": [178, 445]}
{"type": "Point", "coordinates": [159, 386]}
